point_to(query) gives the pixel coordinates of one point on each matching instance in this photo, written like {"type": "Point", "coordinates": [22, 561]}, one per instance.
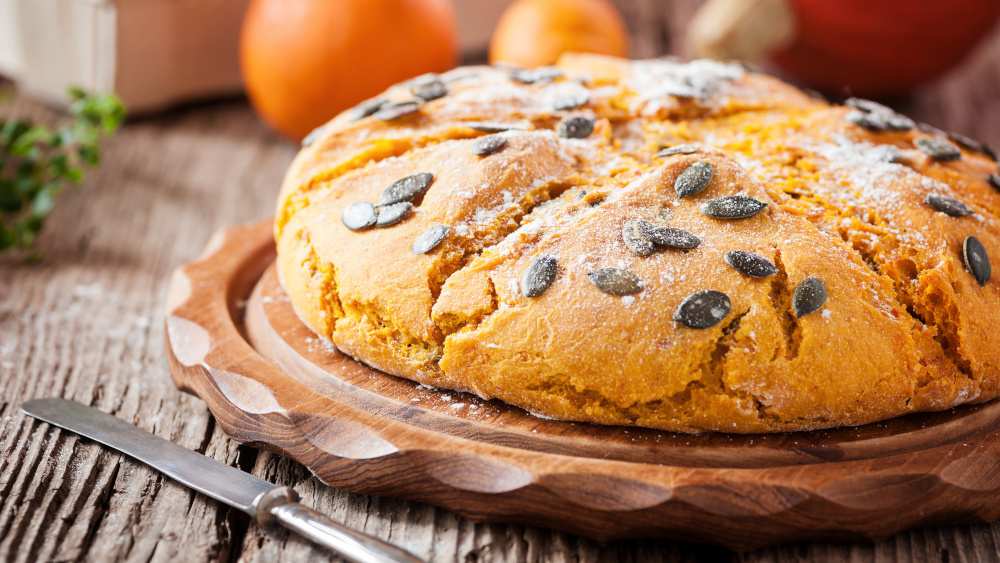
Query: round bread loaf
{"type": "Point", "coordinates": [690, 247]}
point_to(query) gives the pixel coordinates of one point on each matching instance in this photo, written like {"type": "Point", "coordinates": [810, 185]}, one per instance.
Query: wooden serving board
{"type": "Point", "coordinates": [234, 340]}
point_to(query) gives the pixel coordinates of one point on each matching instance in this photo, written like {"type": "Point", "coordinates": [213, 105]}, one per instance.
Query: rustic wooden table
{"type": "Point", "coordinates": [85, 323]}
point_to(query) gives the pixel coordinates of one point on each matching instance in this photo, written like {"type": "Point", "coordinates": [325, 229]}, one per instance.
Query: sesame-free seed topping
{"type": "Point", "coordinates": [366, 108]}
{"type": "Point", "coordinates": [405, 189]}
{"type": "Point", "coordinates": [429, 239]}
{"type": "Point", "coordinates": [430, 90]}
{"type": "Point", "coordinates": [994, 180]}
{"type": "Point", "coordinates": [874, 116]}
{"type": "Point", "coordinates": [976, 260]}
{"type": "Point", "coordinates": [576, 127]}
{"type": "Point", "coordinates": [677, 149]}
{"type": "Point", "coordinates": [391, 111]}
{"type": "Point", "coordinates": [809, 296]}
{"type": "Point", "coordinates": [948, 205]}
{"type": "Point", "coordinates": [703, 309]}
{"type": "Point", "coordinates": [672, 237]}
{"type": "Point", "coordinates": [750, 264]}
{"type": "Point", "coordinates": [358, 215]}
{"type": "Point", "coordinates": [540, 74]}
{"type": "Point", "coordinates": [967, 143]}
{"type": "Point", "coordinates": [490, 144]}
{"type": "Point", "coordinates": [938, 148]}
{"type": "Point", "coordinates": [539, 276]}
{"type": "Point", "coordinates": [694, 179]}
{"type": "Point", "coordinates": [615, 281]}
{"type": "Point", "coordinates": [313, 136]}
{"type": "Point", "coordinates": [391, 214]}
{"type": "Point", "coordinates": [732, 207]}
{"type": "Point", "coordinates": [492, 127]}
{"type": "Point", "coordinates": [571, 101]}
{"type": "Point", "coordinates": [636, 233]}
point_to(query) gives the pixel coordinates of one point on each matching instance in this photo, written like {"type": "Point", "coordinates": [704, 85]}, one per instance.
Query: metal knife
{"type": "Point", "coordinates": [263, 501]}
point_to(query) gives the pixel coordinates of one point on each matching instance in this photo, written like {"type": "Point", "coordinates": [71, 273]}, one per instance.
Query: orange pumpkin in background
{"type": "Point", "coordinates": [304, 61]}
{"type": "Point", "coordinates": [534, 33]}
{"type": "Point", "coordinates": [864, 47]}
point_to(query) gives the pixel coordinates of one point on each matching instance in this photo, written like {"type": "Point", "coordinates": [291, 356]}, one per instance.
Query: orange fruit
{"type": "Point", "coordinates": [304, 61]}
{"type": "Point", "coordinates": [535, 32]}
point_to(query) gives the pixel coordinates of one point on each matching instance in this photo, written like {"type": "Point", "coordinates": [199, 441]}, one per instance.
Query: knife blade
{"type": "Point", "coordinates": [263, 501]}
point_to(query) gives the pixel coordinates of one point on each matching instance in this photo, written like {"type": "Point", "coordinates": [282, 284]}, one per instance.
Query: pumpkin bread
{"type": "Point", "coordinates": [684, 246]}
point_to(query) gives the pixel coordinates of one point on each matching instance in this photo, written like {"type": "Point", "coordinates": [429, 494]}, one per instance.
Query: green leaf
{"type": "Point", "coordinates": [27, 187]}
{"type": "Point", "coordinates": [73, 174]}
{"type": "Point", "coordinates": [58, 165]}
{"type": "Point", "coordinates": [27, 169]}
{"type": "Point", "coordinates": [7, 238]}
{"type": "Point", "coordinates": [62, 137]}
{"type": "Point", "coordinates": [90, 155]}
{"type": "Point", "coordinates": [12, 130]}
{"type": "Point", "coordinates": [10, 199]}
{"type": "Point", "coordinates": [32, 223]}
{"type": "Point", "coordinates": [27, 140]}
{"type": "Point", "coordinates": [45, 199]}
{"type": "Point", "coordinates": [41, 162]}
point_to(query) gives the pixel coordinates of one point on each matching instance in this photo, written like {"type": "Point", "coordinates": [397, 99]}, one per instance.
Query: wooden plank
{"type": "Point", "coordinates": [85, 323]}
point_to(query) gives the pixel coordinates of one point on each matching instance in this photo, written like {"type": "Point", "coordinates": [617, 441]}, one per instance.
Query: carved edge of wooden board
{"type": "Point", "coordinates": [605, 499]}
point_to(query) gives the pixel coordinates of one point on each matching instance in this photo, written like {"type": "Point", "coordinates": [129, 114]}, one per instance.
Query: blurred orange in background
{"type": "Point", "coordinates": [304, 61]}
{"type": "Point", "coordinates": [533, 33]}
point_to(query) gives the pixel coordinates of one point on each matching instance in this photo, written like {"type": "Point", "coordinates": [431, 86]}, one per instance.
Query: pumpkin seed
{"type": "Point", "coordinates": [540, 74]}
{"type": "Point", "coordinates": [809, 296]}
{"type": "Point", "coordinates": [948, 205]}
{"type": "Point", "coordinates": [571, 101]}
{"type": "Point", "coordinates": [539, 276]}
{"type": "Point", "coordinates": [492, 127]}
{"type": "Point", "coordinates": [994, 180]}
{"type": "Point", "coordinates": [636, 233]}
{"type": "Point", "coordinates": [930, 129]}
{"type": "Point", "coordinates": [366, 108]}
{"type": "Point", "coordinates": [429, 239]}
{"type": "Point", "coordinates": [871, 122]}
{"type": "Point", "coordinates": [405, 189]}
{"type": "Point", "coordinates": [677, 149]}
{"type": "Point", "coordinates": [874, 116]}
{"type": "Point", "coordinates": [672, 237]}
{"type": "Point", "coordinates": [392, 214]}
{"type": "Point", "coordinates": [938, 148]}
{"type": "Point", "coordinates": [971, 144]}
{"type": "Point", "coordinates": [976, 260]}
{"type": "Point", "coordinates": [750, 264]}
{"type": "Point", "coordinates": [615, 281]}
{"type": "Point", "coordinates": [694, 179]}
{"type": "Point", "coordinates": [359, 215]}
{"type": "Point", "coordinates": [485, 146]}
{"type": "Point", "coordinates": [883, 153]}
{"type": "Point", "coordinates": [866, 106]}
{"type": "Point", "coordinates": [395, 110]}
{"type": "Point", "coordinates": [988, 151]}
{"type": "Point", "coordinates": [732, 207]}
{"type": "Point", "coordinates": [314, 136]}
{"type": "Point", "coordinates": [430, 90]}
{"type": "Point", "coordinates": [576, 127]}
{"type": "Point", "coordinates": [703, 309]}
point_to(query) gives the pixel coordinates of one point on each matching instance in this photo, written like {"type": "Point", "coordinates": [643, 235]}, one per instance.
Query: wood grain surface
{"type": "Point", "coordinates": [85, 323]}
{"type": "Point", "coordinates": [234, 340]}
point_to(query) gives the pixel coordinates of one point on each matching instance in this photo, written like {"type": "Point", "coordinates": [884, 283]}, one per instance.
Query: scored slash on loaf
{"type": "Point", "coordinates": [684, 246]}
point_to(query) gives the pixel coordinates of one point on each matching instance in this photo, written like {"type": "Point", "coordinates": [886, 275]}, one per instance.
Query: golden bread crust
{"type": "Point", "coordinates": [905, 326]}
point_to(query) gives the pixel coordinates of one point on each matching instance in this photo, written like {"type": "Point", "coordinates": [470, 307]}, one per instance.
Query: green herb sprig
{"type": "Point", "coordinates": [37, 164]}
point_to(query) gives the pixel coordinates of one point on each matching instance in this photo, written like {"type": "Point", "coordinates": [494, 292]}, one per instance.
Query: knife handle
{"type": "Point", "coordinates": [281, 505]}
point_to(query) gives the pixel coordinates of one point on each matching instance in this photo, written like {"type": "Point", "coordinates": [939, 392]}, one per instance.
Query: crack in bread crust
{"type": "Point", "coordinates": [903, 328]}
